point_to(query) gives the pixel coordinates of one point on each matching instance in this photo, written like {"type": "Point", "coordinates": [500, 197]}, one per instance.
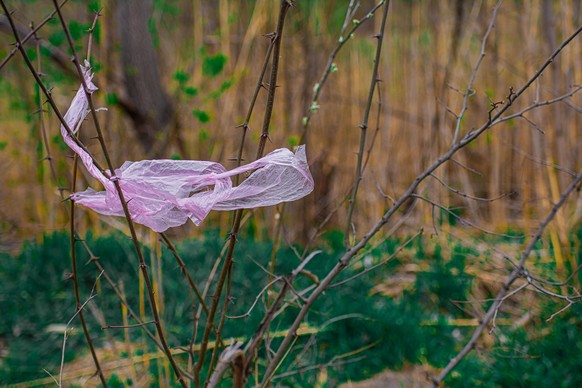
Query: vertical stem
{"type": "Point", "coordinates": [364, 125]}
{"type": "Point", "coordinates": [273, 79]}
{"type": "Point", "coordinates": [276, 41]}
{"type": "Point", "coordinates": [74, 277]}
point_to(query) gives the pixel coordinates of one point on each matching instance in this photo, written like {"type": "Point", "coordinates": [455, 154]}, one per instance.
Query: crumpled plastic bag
{"type": "Point", "coordinates": [166, 193]}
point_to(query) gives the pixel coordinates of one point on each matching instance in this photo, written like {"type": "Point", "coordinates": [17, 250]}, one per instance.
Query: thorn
{"type": "Point", "coordinates": [92, 259]}
{"type": "Point", "coordinates": [377, 36]}
{"type": "Point", "coordinates": [232, 235]}
{"type": "Point", "coordinates": [270, 35]}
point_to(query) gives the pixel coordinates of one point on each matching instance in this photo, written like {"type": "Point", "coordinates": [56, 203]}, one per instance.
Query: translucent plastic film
{"type": "Point", "coordinates": [166, 193]}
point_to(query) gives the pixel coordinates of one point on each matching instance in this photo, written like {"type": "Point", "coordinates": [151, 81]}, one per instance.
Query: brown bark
{"type": "Point", "coordinates": [151, 108]}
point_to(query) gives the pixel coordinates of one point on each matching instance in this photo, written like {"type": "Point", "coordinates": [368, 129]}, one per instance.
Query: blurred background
{"type": "Point", "coordinates": [177, 78]}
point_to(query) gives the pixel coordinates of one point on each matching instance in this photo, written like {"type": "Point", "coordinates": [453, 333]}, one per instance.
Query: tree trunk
{"type": "Point", "coordinates": [151, 109]}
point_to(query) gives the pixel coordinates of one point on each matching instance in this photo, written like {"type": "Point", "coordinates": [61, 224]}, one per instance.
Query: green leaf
{"type": "Point", "coordinates": [293, 141]}
{"type": "Point", "coordinates": [3, 145]}
{"type": "Point", "coordinates": [57, 38]}
{"type": "Point", "coordinates": [175, 157]}
{"type": "Point", "coordinates": [203, 135]}
{"type": "Point", "coordinates": [213, 65]}
{"type": "Point", "coordinates": [111, 99]}
{"type": "Point", "coordinates": [215, 94]}
{"type": "Point", "coordinates": [76, 29]}
{"type": "Point", "coordinates": [201, 115]}
{"type": "Point", "coordinates": [190, 91]}
{"type": "Point", "coordinates": [181, 76]}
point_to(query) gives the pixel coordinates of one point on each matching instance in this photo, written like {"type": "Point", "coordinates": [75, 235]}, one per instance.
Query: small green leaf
{"type": "Point", "coordinates": [111, 99]}
{"type": "Point", "coordinates": [58, 140]}
{"type": "Point", "coordinates": [213, 65]}
{"type": "Point", "coordinates": [293, 141]}
{"type": "Point", "coordinates": [190, 91]}
{"type": "Point", "coordinates": [181, 76]}
{"type": "Point", "coordinates": [76, 29]}
{"type": "Point", "coordinates": [203, 135]}
{"type": "Point", "coordinates": [57, 38]}
{"type": "Point", "coordinates": [215, 94]}
{"type": "Point", "coordinates": [3, 145]}
{"type": "Point", "coordinates": [175, 157]}
{"type": "Point", "coordinates": [201, 115]}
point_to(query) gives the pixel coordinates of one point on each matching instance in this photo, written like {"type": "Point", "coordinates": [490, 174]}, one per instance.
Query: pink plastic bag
{"type": "Point", "coordinates": [165, 193]}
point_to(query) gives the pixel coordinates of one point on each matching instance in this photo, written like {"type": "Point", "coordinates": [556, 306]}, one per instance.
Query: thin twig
{"type": "Point", "coordinates": [515, 274]}
{"type": "Point", "coordinates": [73, 239]}
{"type": "Point", "coordinates": [127, 326]}
{"type": "Point", "coordinates": [257, 298]}
{"type": "Point", "coordinates": [538, 104]}
{"type": "Point", "coordinates": [77, 312]}
{"type": "Point", "coordinates": [31, 34]}
{"type": "Point", "coordinates": [381, 263]}
{"type": "Point", "coordinates": [329, 68]}
{"type": "Point", "coordinates": [465, 195]}
{"type": "Point", "coordinates": [364, 127]}
{"type": "Point", "coordinates": [469, 90]}
{"type": "Point", "coordinates": [464, 220]}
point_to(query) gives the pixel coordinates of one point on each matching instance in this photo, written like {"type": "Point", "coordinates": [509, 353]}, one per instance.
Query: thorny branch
{"type": "Point", "coordinates": [277, 38]}
{"type": "Point", "coordinates": [364, 126]}
{"type": "Point", "coordinates": [517, 273]}
{"type": "Point", "coordinates": [469, 90]}
{"type": "Point", "coordinates": [329, 68]}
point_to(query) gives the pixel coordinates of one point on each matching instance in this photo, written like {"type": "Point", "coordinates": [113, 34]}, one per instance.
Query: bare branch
{"type": "Point", "coordinates": [469, 90]}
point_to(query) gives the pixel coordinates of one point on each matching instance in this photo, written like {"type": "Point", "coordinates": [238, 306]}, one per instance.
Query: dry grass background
{"type": "Point", "coordinates": [429, 52]}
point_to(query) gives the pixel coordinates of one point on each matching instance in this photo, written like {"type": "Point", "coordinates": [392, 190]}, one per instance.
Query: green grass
{"type": "Point", "coordinates": [35, 295]}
